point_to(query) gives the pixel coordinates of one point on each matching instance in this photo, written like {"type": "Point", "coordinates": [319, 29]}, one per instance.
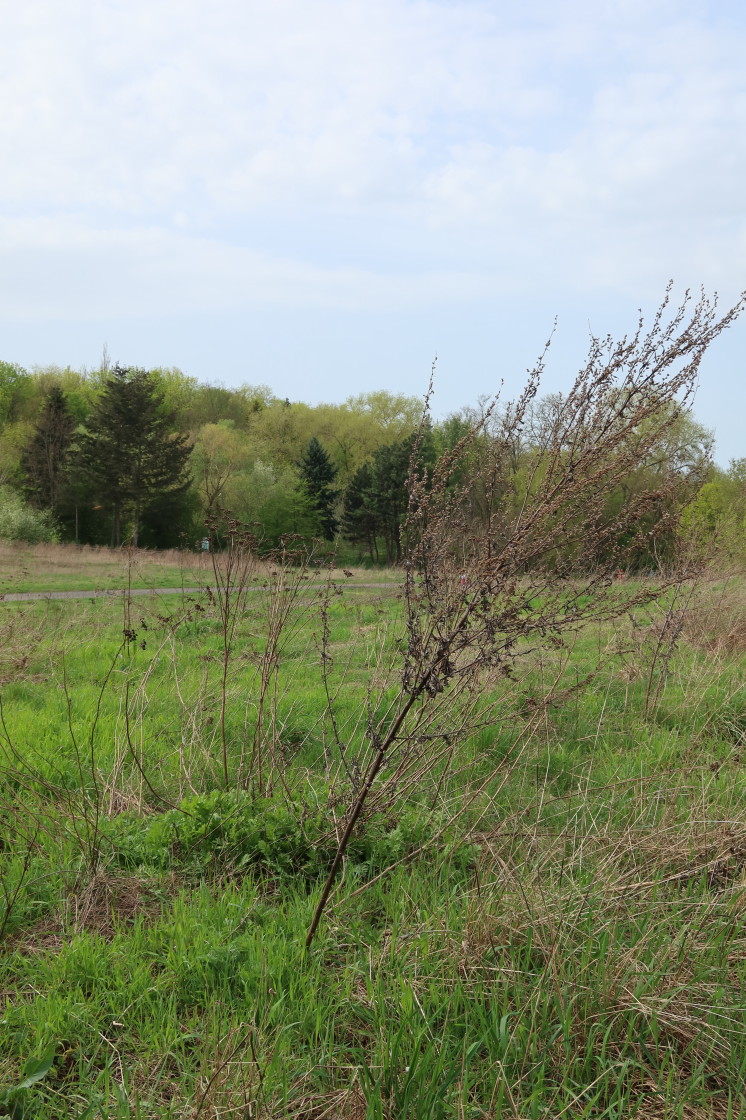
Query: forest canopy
{"type": "Point", "coordinates": [123, 455]}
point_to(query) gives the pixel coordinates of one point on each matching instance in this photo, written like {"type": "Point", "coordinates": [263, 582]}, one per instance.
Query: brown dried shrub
{"type": "Point", "coordinates": [500, 561]}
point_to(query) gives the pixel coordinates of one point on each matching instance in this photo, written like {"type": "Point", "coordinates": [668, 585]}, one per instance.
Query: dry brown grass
{"type": "Point", "coordinates": [21, 563]}
{"type": "Point", "coordinates": [342, 1104]}
{"type": "Point", "coordinates": [103, 906]}
{"type": "Point", "coordinates": [110, 901]}
{"type": "Point", "coordinates": [54, 566]}
{"type": "Point", "coordinates": [715, 620]}
{"type": "Point", "coordinates": [530, 894]}
{"type": "Point", "coordinates": [21, 634]}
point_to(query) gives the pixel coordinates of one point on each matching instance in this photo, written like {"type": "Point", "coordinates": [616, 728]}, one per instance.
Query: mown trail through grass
{"type": "Point", "coordinates": [134, 592]}
{"type": "Point", "coordinates": [563, 933]}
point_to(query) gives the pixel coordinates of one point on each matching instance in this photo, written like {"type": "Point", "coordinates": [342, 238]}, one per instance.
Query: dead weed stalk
{"type": "Point", "coordinates": [534, 561]}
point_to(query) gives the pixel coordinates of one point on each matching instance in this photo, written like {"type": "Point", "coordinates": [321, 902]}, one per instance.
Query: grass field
{"type": "Point", "coordinates": [53, 567]}
{"type": "Point", "coordinates": [69, 567]}
{"type": "Point", "coordinates": [548, 921]}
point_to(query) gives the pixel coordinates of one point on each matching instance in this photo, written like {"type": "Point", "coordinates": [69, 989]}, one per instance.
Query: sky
{"type": "Point", "coordinates": [323, 195]}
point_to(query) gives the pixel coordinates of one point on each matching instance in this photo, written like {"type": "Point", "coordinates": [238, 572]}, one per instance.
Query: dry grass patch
{"type": "Point", "coordinates": [106, 904]}
{"type": "Point", "coordinates": [59, 566]}
{"type": "Point", "coordinates": [715, 618]}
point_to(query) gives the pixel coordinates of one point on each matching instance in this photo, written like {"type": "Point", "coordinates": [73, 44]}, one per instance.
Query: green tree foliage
{"type": "Point", "coordinates": [273, 502]}
{"type": "Point", "coordinates": [132, 454]}
{"type": "Point", "coordinates": [195, 403]}
{"type": "Point", "coordinates": [318, 472]}
{"type": "Point", "coordinates": [375, 502]}
{"type": "Point", "coordinates": [388, 497]}
{"type": "Point", "coordinates": [16, 389]}
{"type": "Point", "coordinates": [172, 519]}
{"type": "Point", "coordinates": [507, 465]}
{"type": "Point", "coordinates": [16, 386]}
{"type": "Point", "coordinates": [20, 522]}
{"type": "Point", "coordinates": [237, 434]}
{"type": "Point", "coordinates": [350, 432]}
{"type": "Point", "coordinates": [215, 403]}
{"type": "Point", "coordinates": [13, 439]}
{"type": "Point", "coordinates": [249, 443]}
{"type": "Point", "coordinates": [281, 432]}
{"type": "Point", "coordinates": [715, 522]}
{"type": "Point", "coordinates": [46, 457]}
{"type": "Point", "coordinates": [359, 521]}
{"type": "Point", "coordinates": [180, 396]}
{"type": "Point", "coordinates": [683, 453]}
{"type": "Point", "coordinates": [221, 452]}
{"type": "Point", "coordinates": [394, 414]}
{"type": "Point", "coordinates": [79, 387]}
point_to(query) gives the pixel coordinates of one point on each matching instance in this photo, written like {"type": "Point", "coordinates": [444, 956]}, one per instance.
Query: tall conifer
{"type": "Point", "coordinates": [130, 450]}
{"type": "Point", "coordinates": [318, 473]}
{"type": "Point", "coordinates": [45, 459]}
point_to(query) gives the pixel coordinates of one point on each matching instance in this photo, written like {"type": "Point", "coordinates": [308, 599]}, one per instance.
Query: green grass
{"type": "Point", "coordinates": [563, 933]}
{"type": "Point", "coordinates": [69, 567]}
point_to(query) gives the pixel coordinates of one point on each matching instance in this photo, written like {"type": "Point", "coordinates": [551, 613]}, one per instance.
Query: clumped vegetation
{"type": "Point", "coordinates": [470, 843]}
{"type": "Point", "coordinates": [20, 522]}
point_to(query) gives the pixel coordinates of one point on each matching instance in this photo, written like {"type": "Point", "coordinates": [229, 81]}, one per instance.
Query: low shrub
{"type": "Point", "coordinates": [20, 522]}
{"type": "Point", "coordinates": [236, 833]}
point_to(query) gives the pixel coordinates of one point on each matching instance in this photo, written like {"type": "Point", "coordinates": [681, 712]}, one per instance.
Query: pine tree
{"type": "Point", "coordinates": [359, 521]}
{"type": "Point", "coordinates": [130, 450]}
{"type": "Point", "coordinates": [389, 497]}
{"type": "Point", "coordinates": [376, 500]}
{"type": "Point", "coordinates": [318, 473]}
{"type": "Point", "coordinates": [45, 460]}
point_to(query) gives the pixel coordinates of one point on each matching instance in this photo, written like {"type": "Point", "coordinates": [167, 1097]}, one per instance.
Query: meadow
{"type": "Point", "coordinates": [543, 919]}
{"type": "Point", "coordinates": [37, 568]}
{"type": "Point", "coordinates": [53, 567]}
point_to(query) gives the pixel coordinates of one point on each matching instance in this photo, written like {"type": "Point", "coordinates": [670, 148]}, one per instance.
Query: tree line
{"type": "Point", "coordinates": [121, 455]}
{"type": "Point", "coordinates": [124, 455]}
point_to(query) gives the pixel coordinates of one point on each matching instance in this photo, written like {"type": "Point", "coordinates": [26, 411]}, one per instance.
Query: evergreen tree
{"type": "Point", "coordinates": [45, 460]}
{"type": "Point", "coordinates": [131, 452]}
{"type": "Point", "coordinates": [376, 500]}
{"type": "Point", "coordinates": [359, 521]}
{"type": "Point", "coordinates": [318, 473]}
{"type": "Point", "coordinates": [389, 497]}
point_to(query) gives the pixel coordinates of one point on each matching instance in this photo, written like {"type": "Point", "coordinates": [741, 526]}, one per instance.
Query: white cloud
{"type": "Point", "coordinates": [571, 145]}
{"type": "Point", "coordinates": [62, 269]}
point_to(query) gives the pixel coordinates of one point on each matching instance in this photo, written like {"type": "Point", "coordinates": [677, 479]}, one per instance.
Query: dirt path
{"type": "Point", "coordinates": [27, 596]}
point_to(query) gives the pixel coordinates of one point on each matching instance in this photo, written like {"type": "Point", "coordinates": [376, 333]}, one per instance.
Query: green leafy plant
{"type": "Point", "coordinates": [13, 1099]}
{"type": "Point", "coordinates": [20, 522]}
{"type": "Point", "coordinates": [225, 833]}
